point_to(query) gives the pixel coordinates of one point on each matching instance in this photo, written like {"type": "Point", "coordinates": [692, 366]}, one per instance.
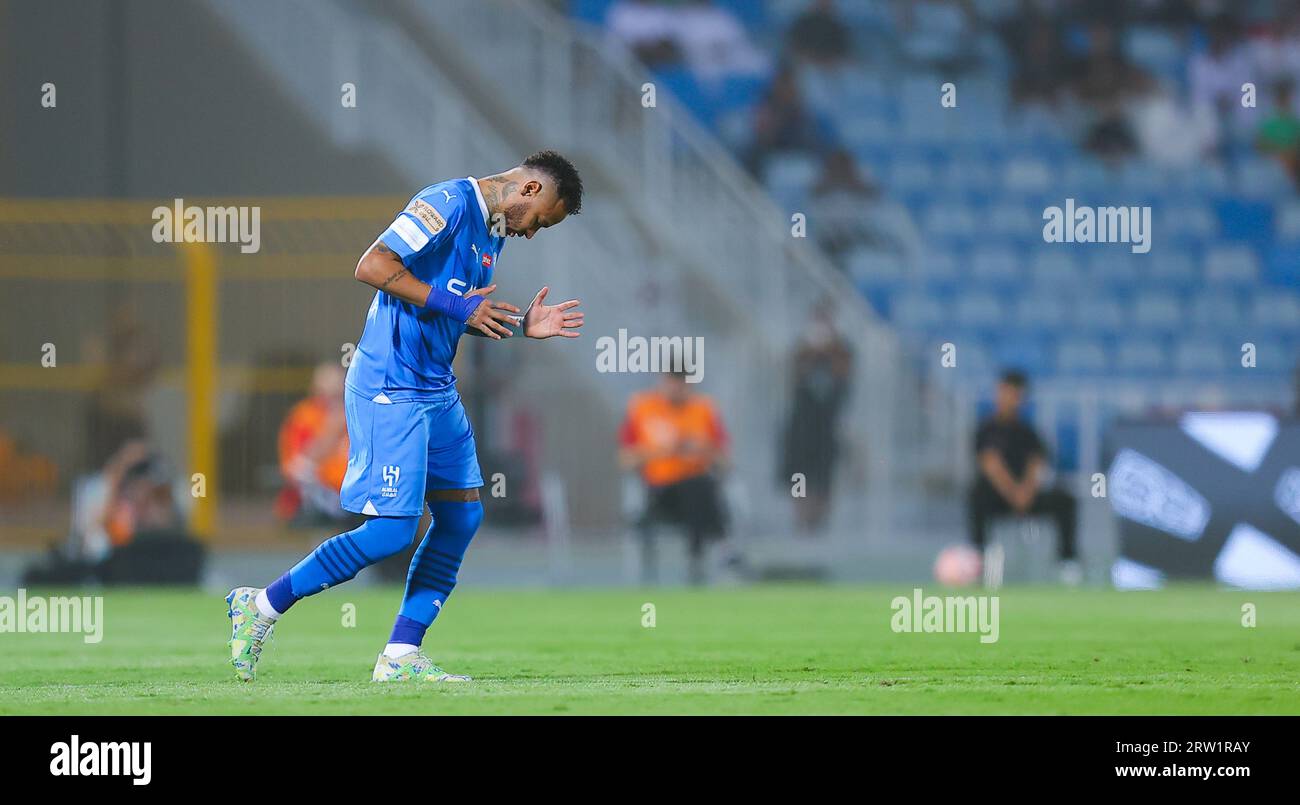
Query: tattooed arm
{"type": "Point", "coordinates": [381, 268]}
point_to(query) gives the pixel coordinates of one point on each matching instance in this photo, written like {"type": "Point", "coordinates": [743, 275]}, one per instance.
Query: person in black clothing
{"type": "Point", "coordinates": [1010, 462]}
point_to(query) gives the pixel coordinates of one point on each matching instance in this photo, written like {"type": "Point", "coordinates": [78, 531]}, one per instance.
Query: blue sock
{"type": "Point", "coordinates": [341, 557]}
{"type": "Point", "coordinates": [434, 567]}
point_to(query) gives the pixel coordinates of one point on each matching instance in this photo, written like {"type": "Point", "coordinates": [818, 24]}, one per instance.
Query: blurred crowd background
{"type": "Point", "coordinates": [833, 194]}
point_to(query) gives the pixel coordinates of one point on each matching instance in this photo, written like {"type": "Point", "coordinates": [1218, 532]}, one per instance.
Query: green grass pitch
{"type": "Point", "coordinates": [758, 650]}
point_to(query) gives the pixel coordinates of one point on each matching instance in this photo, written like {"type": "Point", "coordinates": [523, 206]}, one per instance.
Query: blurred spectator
{"type": "Point", "coordinates": [822, 365]}
{"type": "Point", "coordinates": [1041, 66]}
{"type": "Point", "coordinates": [716, 44]}
{"type": "Point", "coordinates": [127, 527]}
{"type": "Point", "coordinates": [784, 122]}
{"type": "Point", "coordinates": [710, 40]}
{"type": "Point", "coordinates": [675, 439]}
{"type": "Point", "coordinates": [313, 445]}
{"type": "Point", "coordinates": [1217, 73]}
{"type": "Point", "coordinates": [1010, 464]}
{"type": "Point", "coordinates": [1171, 134]}
{"type": "Point", "coordinates": [648, 28]}
{"type": "Point", "coordinates": [937, 34]}
{"type": "Point", "coordinates": [138, 495]}
{"type": "Point", "coordinates": [849, 212]}
{"type": "Point", "coordinates": [1106, 85]}
{"type": "Point", "coordinates": [1279, 134]}
{"type": "Point", "coordinates": [129, 359]}
{"type": "Point", "coordinates": [1278, 51]}
{"type": "Point", "coordinates": [818, 36]}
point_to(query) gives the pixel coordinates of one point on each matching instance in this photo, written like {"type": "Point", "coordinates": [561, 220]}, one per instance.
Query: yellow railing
{"type": "Point", "coordinates": [97, 241]}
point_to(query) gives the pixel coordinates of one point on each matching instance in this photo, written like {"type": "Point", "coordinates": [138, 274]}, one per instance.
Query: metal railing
{"type": "Point", "coordinates": [592, 98]}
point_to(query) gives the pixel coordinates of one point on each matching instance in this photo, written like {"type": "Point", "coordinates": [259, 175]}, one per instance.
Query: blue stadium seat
{"type": "Point", "coordinates": [1032, 355]}
{"type": "Point", "coordinates": [872, 267]}
{"type": "Point", "coordinates": [1157, 310]}
{"type": "Point", "coordinates": [1234, 264]}
{"type": "Point", "coordinates": [1141, 356]}
{"type": "Point", "coordinates": [1283, 267]}
{"type": "Point", "coordinates": [1038, 311]}
{"type": "Point", "coordinates": [1276, 307]}
{"type": "Point", "coordinates": [906, 175]}
{"type": "Point", "coordinates": [1081, 356]}
{"type": "Point", "coordinates": [1286, 223]}
{"type": "Point", "coordinates": [1172, 269]}
{"type": "Point", "coordinates": [918, 311]}
{"type": "Point", "coordinates": [1055, 266]}
{"type": "Point", "coordinates": [1217, 308]}
{"type": "Point", "coordinates": [949, 220]}
{"type": "Point", "coordinates": [1028, 175]}
{"type": "Point", "coordinates": [1096, 313]}
{"type": "Point", "coordinates": [1261, 177]}
{"type": "Point", "coordinates": [1188, 218]}
{"type": "Point", "coordinates": [979, 310]}
{"type": "Point", "coordinates": [791, 170]}
{"type": "Point", "coordinates": [995, 266]}
{"type": "Point", "coordinates": [938, 268]}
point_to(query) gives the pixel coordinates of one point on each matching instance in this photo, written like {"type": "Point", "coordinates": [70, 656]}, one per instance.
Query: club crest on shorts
{"type": "Point", "coordinates": [392, 474]}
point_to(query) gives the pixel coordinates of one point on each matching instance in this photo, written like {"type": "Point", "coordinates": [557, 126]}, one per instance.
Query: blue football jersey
{"type": "Point", "coordinates": [442, 237]}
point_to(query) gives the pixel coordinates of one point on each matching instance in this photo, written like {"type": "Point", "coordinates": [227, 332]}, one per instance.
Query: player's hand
{"type": "Point", "coordinates": [491, 317]}
{"type": "Point", "coordinates": [544, 321]}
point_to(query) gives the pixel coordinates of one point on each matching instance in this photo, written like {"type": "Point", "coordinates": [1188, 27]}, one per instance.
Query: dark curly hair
{"type": "Point", "coordinates": [568, 184]}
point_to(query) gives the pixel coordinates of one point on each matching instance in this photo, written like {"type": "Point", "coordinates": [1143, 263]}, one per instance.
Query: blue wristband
{"type": "Point", "coordinates": [449, 304]}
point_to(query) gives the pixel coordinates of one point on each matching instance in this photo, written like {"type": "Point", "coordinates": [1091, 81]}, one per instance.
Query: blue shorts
{"type": "Point", "coordinates": [398, 450]}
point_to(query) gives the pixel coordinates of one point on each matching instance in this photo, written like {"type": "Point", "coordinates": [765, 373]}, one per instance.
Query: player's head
{"type": "Point", "coordinates": [550, 190]}
{"type": "Point", "coordinates": [1011, 391]}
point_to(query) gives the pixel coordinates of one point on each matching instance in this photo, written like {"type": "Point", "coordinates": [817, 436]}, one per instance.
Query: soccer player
{"type": "Point", "coordinates": [410, 443]}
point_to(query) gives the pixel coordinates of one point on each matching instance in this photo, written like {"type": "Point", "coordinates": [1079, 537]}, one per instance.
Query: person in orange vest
{"type": "Point", "coordinates": [674, 438]}
{"type": "Point", "coordinates": [314, 450]}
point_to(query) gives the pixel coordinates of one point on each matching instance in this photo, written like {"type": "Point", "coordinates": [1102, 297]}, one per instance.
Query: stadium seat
{"type": "Point", "coordinates": [1276, 308]}
{"type": "Point", "coordinates": [1055, 266]}
{"type": "Point", "coordinates": [873, 267]}
{"type": "Point", "coordinates": [1076, 356]}
{"type": "Point", "coordinates": [1201, 356]}
{"type": "Point", "coordinates": [1154, 310]}
{"type": "Point", "coordinates": [1260, 177]}
{"type": "Point", "coordinates": [911, 174]}
{"type": "Point", "coordinates": [1171, 269]}
{"type": "Point", "coordinates": [1028, 176]}
{"type": "Point", "coordinates": [918, 311]}
{"type": "Point", "coordinates": [1214, 309]}
{"type": "Point", "coordinates": [994, 266]}
{"type": "Point", "coordinates": [978, 310]}
{"type": "Point", "coordinates": [1097, 314]}
{"type": "Point", "coordinates": [791, 171]}
{"type": "Point", "coordinates": [1040, 311]}
{"type": "Point", "coordinates": [1286, 223]}
{"type": "Point", "coordinates": [1232, 264]}
{"type": "Point", "coordinates": [1141, 356]}
{"type": "Point", "coordinates": [1195, 220]}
